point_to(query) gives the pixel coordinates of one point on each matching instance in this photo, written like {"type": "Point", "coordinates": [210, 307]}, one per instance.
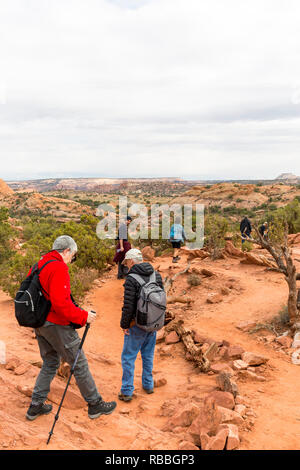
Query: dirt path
{"type": "Point", "coordinates": [255, 295]}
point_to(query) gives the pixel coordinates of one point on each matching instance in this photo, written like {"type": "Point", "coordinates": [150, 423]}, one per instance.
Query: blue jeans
{"type": "Point", "coordinates": [138, 340]}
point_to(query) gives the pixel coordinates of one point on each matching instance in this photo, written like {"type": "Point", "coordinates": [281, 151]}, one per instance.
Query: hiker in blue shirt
{"type": "Point", "coordinates": [177, 237]}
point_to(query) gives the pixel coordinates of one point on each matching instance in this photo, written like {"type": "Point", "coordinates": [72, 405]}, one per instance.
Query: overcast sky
{"type": "Point", "coordinates": [192, 88]}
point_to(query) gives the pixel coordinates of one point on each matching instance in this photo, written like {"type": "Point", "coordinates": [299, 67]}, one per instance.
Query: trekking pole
{"type": "Point", "coordinates": [69, 379]}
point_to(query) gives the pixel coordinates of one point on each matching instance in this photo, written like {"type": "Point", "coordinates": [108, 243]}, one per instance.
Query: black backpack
{"type": "Point", "coordinates": [31, 306]}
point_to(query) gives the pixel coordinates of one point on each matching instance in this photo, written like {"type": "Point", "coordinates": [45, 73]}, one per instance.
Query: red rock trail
{"type": "Point", "coordinates": [254, 295]}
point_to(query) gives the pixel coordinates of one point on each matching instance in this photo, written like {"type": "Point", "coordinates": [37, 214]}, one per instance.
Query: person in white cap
{"type": "Point", "coordinates": [136, 339]}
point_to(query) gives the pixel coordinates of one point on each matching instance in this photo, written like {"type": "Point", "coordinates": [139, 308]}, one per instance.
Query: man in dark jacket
{"type": "Point", "coordinates": [58, 339]}
{"type": "Point", "coordinates": [136, 339]}
{"type": "Point", "coordinates": [245, 228]}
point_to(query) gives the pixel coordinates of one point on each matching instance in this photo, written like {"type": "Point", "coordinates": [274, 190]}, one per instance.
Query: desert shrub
{"type": "Point", "coordinates": [282, 319]}
{"type": "Point", "coordinates": [81, 280]}
{"type": "Point", "coordinates": [6, 233]}
{"type": "Point", "coordinates": [247, 246]}
{"type": "Point", "coordinates": [289, 214]}
{"type": "Point", "coordinates": [236, 240]}
{"type": "Point", "coordinates": [215, 230]}
{"type": "Point", "coordinates": [39, 234]}
{"type": "Point", "coordinates": [193, 280]}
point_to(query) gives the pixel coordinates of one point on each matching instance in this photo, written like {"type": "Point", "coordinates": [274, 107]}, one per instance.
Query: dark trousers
{"type": "Point", "coordinates": [56, 342]}
{"type": "Point", "coordinates": [244, 238]}
{"type": "Point", "coordinates": [122, 271]}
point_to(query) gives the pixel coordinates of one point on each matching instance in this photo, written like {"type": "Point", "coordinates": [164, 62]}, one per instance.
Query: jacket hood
{"type": "Point", "coordinates": [143, 269]}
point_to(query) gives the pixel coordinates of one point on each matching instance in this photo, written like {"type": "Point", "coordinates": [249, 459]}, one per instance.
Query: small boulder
{"type": "Point", "coordinates": [172, 338]}
{"type": "Point", "coordinates": [204, 440]}
{"type": "Point", "coordinates": [224, 399]}
{"type": "Point", "coordinates": [160, 335]}
{"type": "Point", "coordinates": [233, 440]}
{"type": "Point", "coordinates": [148, 253]}
{"type": "Point", "coordinates": [12, 364]}
{"type": "Point", "coordinates": [284, 341]}
{"type": "Point", "coordinates": [187, 445]}
{"type": "Point", "coordinates": [183, 417]}
{"type": "Point", "coordinates": [239, 365]}
{"type": "Point", "coordinates": [246, 325]}
{"type": "Point", "coordinates": [296, 342]}
{"type": "Point", "coordinates": [230, 416]}
{"type": "Point", "coordinates": [240, 409]}
{"type": "Point", "coordinates": [21, 369]}
{"type": "Point", "coordinates": [24, 390]}
{"type": "Point", "coordinates": [225, 383]}
{"type": "Point", "coordinates": [201, 339]}
{"type": "Point", "coordinates": [234, 352]}
{"type": "Point", "coordinates": [218, 442]}
{"type": "Point", "coordinates": [253, 359]}
{"type": "Point", "coordinates": [214, 298]}
{"type": "Point", "coordinates": [296, 357]}
{"type": "Point", "coordinates": [247, 374]}
{"type": "Point", "coordinates": [208, 421]}
{"type": "Point", "coordinates": [221, 367]}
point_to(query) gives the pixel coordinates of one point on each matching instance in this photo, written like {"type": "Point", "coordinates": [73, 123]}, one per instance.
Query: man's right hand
{"type": "Point", "coordinates": [91, 316]}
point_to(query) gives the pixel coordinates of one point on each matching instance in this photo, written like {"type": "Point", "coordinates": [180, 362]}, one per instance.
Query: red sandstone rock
{"type": "Point", "coordinates": [172, 338]}
{"type": "Point", "coordinates": [221, 367]}
{"type": "Point", "coordinates": [224, 399]}
{"type": "Point", "coordinates": [253, 359]}
{"type": "Point", "coordinates": [234, 352]}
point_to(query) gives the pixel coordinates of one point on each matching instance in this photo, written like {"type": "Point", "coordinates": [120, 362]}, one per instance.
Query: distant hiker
{"type": "Point", "coordinates": [177, 237]}
{"type": "Point", "coordinates": [263, 230]}
{"type": "Point", "coordinates": [122, 247]}
{"type": "Point", "coordinates": [135, 338]}
{"type": "Point", "coordinates": [57, 338]}
{"type": "Point", "coordinates": [245, 228]}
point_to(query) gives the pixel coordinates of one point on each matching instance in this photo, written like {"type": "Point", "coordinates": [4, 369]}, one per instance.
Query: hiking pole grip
{"type": "Point", "coordinates": [69, 379]}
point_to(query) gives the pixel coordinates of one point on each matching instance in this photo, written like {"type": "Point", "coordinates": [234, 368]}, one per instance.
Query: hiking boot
{"type": "Point", "coordinates": [37, 410]}
{"type": "Point", "coordinates": [101, 408]}
{"type": "Point", "coordinates": [123, 397]}
{"type": "Point", "coordinates": [148, 390]}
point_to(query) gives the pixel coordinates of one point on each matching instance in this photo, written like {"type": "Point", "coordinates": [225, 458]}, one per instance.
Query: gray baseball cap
{"type": "Point", "coordinates": [135, 254]}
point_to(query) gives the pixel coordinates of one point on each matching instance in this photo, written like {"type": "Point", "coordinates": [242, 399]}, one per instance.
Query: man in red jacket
{"type": "Point", "coordinates": [57, 338]}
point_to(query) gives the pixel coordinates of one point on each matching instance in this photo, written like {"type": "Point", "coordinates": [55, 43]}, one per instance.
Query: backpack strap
{"type": "Point", "coordinates": [138, 278]}
{"type": "Point", "coordinates": [38, 271]}
{"type": "Point", "coordinates": [141, 280]}
{"type": "Point", "coordinates": [50, 261]}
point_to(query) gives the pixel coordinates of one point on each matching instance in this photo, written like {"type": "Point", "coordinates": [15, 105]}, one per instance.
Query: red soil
{"type": "Point", "coordinates": [255, 294]}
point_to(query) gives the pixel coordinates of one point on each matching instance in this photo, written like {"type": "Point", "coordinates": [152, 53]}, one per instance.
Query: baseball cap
{"type": "Point", "coordinates": [134, 253]}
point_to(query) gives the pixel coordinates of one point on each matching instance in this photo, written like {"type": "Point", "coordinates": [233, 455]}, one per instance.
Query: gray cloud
{"type": "Point", "coordinates": [148, 88]}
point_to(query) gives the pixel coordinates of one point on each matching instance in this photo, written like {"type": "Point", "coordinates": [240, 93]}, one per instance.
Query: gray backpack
{"type": "Point", "coordinates": [151, 304]}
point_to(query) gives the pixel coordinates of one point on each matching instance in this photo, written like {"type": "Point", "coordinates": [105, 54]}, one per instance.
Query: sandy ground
{"type": "Point", "coordinates": [255, 295]}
